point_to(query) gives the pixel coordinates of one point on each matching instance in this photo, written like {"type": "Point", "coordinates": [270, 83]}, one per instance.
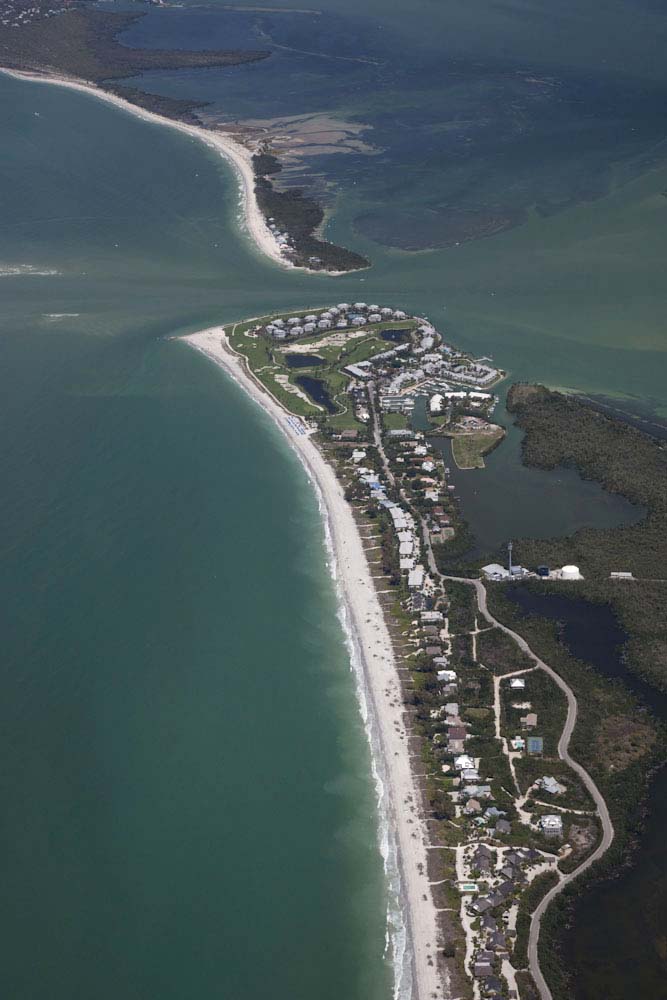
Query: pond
{"type": "Point", "coordinates": [397, 336]}
{"type": "Point", "coordinates": [509, 499]}
{"type": "Point", "coordinates": [616, 942]}
{"type": "Point", "coordinates": [303, 360]}
{"type": "Point", "coordinates": [318, 391]}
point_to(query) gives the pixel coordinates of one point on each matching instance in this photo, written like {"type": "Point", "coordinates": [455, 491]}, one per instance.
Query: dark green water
{"type": "Point", "coordinates": [189, 809]}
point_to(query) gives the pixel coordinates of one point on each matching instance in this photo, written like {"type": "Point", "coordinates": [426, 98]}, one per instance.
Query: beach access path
{"type": "Point", "coordinates": [373, 657]}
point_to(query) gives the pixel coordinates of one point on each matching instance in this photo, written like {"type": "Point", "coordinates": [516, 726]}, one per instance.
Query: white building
{"type": "Point", "coordinates": [494, 571]}
{"type": "Point", "coordinates": [449, 676]}
{"type": "Point", "coordinates": [552, 826]}
{"type": "Point", "coordinates": [517, 683]}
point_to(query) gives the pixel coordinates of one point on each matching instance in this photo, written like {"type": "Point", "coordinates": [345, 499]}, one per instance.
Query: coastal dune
{"type": "Point", "coordinates": [380, 680]}
{"type": "Point", "coordinates": [233, 152]}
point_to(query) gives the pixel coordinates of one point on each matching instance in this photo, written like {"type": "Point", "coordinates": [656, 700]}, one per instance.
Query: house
{"type": "Point", "coordinates": [481, 905]}
{"type": "Point", "coordinates": [463, 762]}
{"type": "Point", "coordinates": [433, 650]}
{"type": "Point", "coordinates": [447, 675]}
{"type": "Point", "coordinates": [518, 743]}
{"type": "Point", "coordinates": [482, 969]}
{"type": "Point", "coordinates": [484, 956]}
{"type": "Point", "coordinates": [488, 923]}
{"type": "Point", "coordinates": [416, 577]}
{"type": "Point", "coordinates": [477, 791]}
{"type": "Point", "coordinates": [497, 941]}
{"type": "Point", "coordinates": [503, 826]}
{"type": "Point", "coordinates": [455, 746]}
{"type": "Point", "coordinates": [552, 826]}
{"type": "Point", "coordinates": [517, 683]}
{"type": "Point", "coordinates": [470, 774]}
{"type": "Point", "coordinates": [529, 721]}
{"type": "Point", "coordinates": [494, 813]}
{"type": "Point", "coordinates": [535, 745]}
{"type": "Point", "coordinates": [550, 785]}
{"type": "Point", "coordinates": [457, 732]}
{"type": "Point", "coordinates": [492, 984]}
{"type": "Point", "coordinates": [483, 851]}
{"type": "Point", "coordinates": [473, 807]}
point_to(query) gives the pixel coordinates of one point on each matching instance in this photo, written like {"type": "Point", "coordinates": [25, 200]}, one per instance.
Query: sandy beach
{"type": "Point", "coordinates": [236, 154]}
{"type": "Point", "coordinates": [381, 682]}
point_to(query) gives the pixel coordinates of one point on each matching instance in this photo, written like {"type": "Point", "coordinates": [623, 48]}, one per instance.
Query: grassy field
{"type": "Point", "coordinates": [268, 359]}
{"type": "Point", "coordinates": [468, 450]}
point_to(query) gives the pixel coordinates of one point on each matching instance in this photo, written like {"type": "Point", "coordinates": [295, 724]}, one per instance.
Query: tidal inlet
{"type": "Point", "coordinates": [333, 518]}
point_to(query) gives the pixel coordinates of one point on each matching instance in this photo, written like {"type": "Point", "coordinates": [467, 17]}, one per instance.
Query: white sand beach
{"type": "Point", "coordinates": [232, 151]}
{"type": "Point", "coordinates": [382, 686]}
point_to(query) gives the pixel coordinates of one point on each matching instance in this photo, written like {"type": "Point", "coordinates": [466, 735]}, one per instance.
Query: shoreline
{"type": "Point", "coordinates": [378, 683]}
{"type": "Point", "coordinates": [237, 155]}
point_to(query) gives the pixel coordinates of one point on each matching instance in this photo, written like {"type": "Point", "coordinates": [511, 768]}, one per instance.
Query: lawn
{"type": "Point", "coordinates": [468, 450]}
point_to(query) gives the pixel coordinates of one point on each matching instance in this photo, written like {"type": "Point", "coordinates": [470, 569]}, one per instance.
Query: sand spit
{"type": "Point", "coordinates": [383, 692]}
{"type": "Point", "coordinates": [232, 151]}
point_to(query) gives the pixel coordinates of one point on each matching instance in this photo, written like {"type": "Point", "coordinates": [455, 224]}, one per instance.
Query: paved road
{"type": "Point", "coordinates": [563, 745]}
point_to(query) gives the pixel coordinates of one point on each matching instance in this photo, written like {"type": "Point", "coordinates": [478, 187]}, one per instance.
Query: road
{"type": "Point", "coordinates": [563, 753]}
{"type": "Point", "coordinates": [563, 743]}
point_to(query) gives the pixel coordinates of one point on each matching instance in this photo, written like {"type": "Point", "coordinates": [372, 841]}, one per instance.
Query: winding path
{"type": "Point", "coordinates": [563, 743]}
{"type": "Point", "coordinates": [563, 753]}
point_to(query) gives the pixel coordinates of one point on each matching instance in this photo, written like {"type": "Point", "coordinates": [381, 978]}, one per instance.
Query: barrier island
{"type": "Point", "coordinates": [491, 815]}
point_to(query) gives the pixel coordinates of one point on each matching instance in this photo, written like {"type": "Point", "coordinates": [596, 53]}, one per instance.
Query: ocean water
{"type": "Point", "coordinates": [540, 130]}
{"type": "Point", "coordinates": [190, 807]}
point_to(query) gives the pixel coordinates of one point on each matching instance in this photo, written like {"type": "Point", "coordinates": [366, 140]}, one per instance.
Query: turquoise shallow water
{"type": "Point", "coordinates": [188, 807]}
{"type": "Point", "coordinates": [189, 803]}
